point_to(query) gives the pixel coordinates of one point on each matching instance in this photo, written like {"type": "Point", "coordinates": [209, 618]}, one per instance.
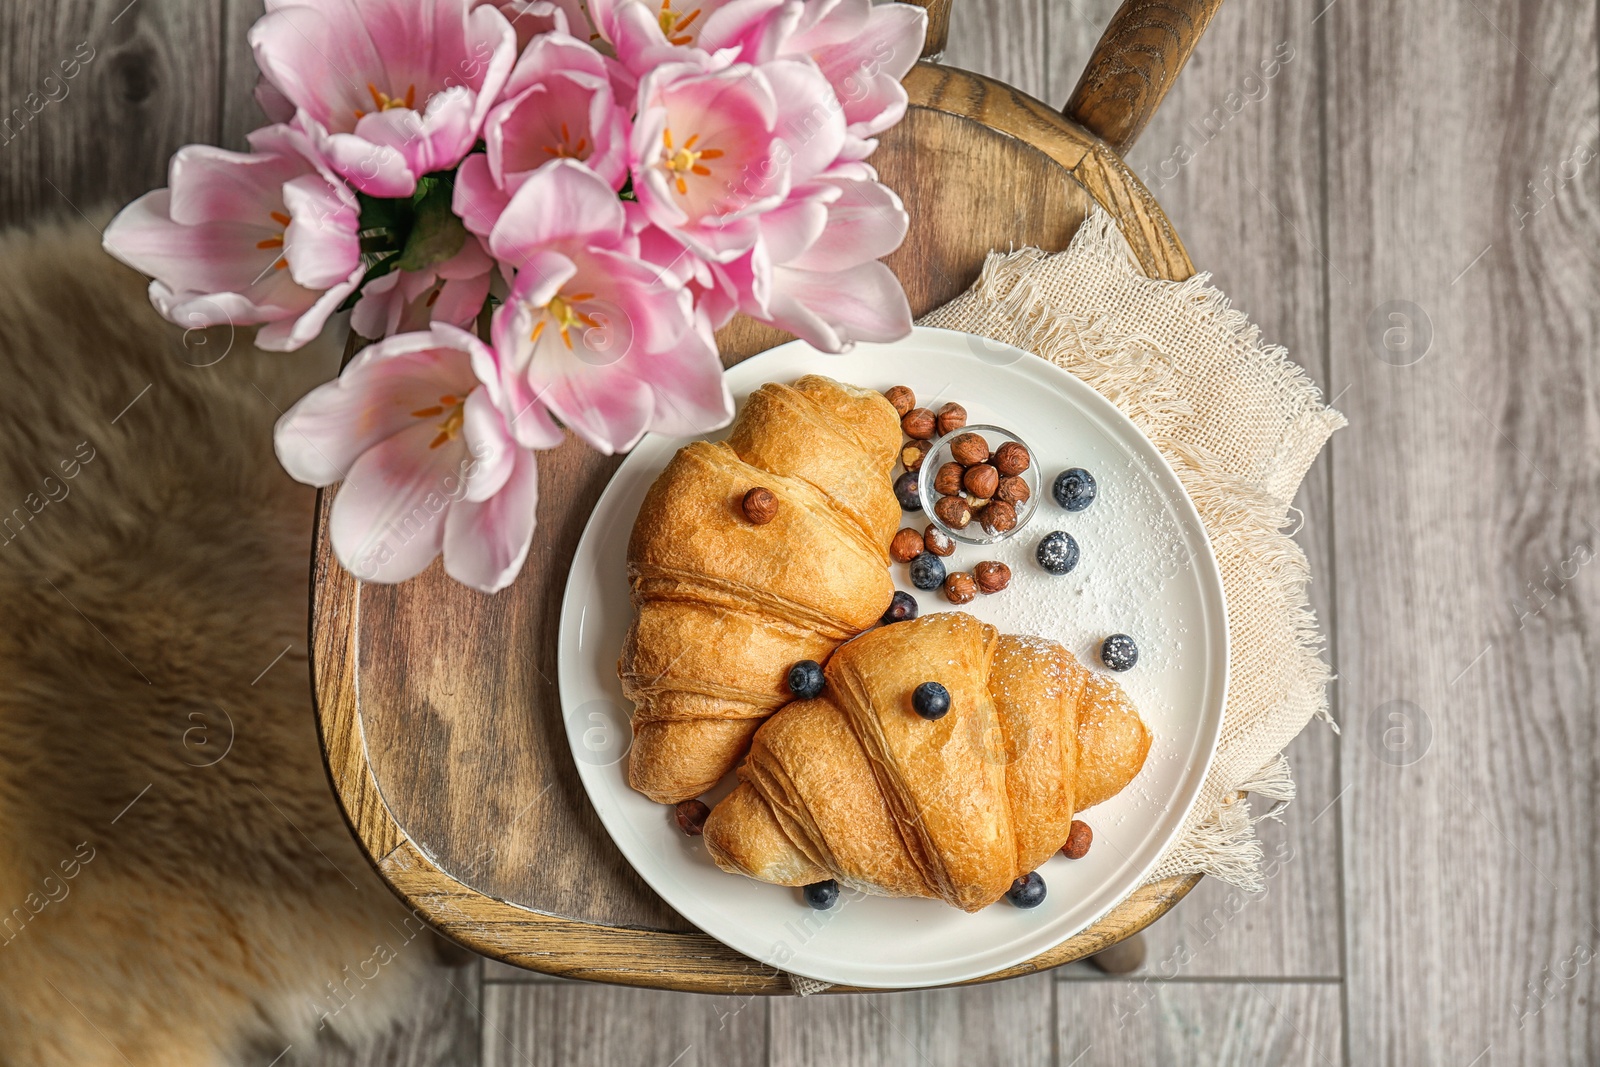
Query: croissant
{"type": "Point", "coordinates": [726, 606]}
{"type": "Point", "coordinates": [858, 787]}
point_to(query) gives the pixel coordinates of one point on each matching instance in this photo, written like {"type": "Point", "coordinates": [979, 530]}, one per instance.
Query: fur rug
{"type": "Point", "coordinates": [177, 885]}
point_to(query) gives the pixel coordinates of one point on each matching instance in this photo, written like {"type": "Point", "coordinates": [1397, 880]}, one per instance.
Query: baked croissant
{"type": "Point", "coordinates": [726, 606]}
{"type": "Point", "coordinates": [858, 787]}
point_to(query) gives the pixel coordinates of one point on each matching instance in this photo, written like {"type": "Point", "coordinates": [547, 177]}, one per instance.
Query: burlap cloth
{"type": "Point", "coordinates": [1240, 424]}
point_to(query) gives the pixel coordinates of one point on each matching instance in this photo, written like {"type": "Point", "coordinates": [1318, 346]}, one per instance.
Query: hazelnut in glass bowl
{"type": "Point", "coordinates": [979, 484]}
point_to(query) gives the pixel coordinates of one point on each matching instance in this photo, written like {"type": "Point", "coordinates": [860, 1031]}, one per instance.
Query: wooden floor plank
{"type": "Point", "coordinates": [1073, 28]}
{"type": "Point", "coordinates": [571, 1024]}
{"type": "Point", "coordinates": [96, 96]}
{"type": "Point", "coordinates": [1233, 156]}
{"type": "Point", "coordinates": [240, 113]}
{"type": "Point", "coordinates": [1004, 39]}
{"type": "Point", "coordinates": [1463, 209]}
{"type": "Point", "coordinates": [1006, 1023]}
{"type": "Point", "coordinates": [1176, 1024]}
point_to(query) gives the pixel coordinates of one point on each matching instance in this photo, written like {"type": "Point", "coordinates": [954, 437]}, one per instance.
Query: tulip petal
{"type": "Point", "coordinates": [833, 311]}
{"type": "Point", "coordinates": [374, 169]}
{"type": "Point", "coordinates": [867, 69]}
{"type": "Point", "coordinates": [287, 335]}
{"type": "Point", "coordinates": [320, 242]}
{"type": "Point", "coordinates": [322, 435]}
{"type": "Point", "coordinates": [460, 299]}
{"type": "Point", "coordinates": [809, 118]}
{"type": "Point", "coordinates": [317, 61]}
{"type": "Point", "coordinates": [214, 185]}
{"type": "Point", "coordinates": [389, 515]}
{"type": "Point", "coordinates": [866, 222]}
{"type": "Point", "coordinates": [690, 391]}
{"type": "Point", "coordinates": [789, 230]}
{"type": "Point", "coordinates": [486, 542]}
{"type": "Point", "coordinates": [484, 430]}
{"type": "Point", "coordinates": [564, 201]}
{"type": "Point", "coordinates": [477, 199]}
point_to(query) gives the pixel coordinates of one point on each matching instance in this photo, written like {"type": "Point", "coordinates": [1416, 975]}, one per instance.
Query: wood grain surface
{"type": "Point", "coordinates": [563, 1024]}
{"type": "Point", "coordinates": [1199, 1024]}
{"type": "Point", "coordinates": [1000, 1024]}
{"type": "Point", "coordinates": [1464, 335]}
{"type": "Point", "coordinates": [1140, 55]}
{"type": "Point", "coordinates": [938, 33]}
{"type": "Point", "coordinates": [1266, 152]}
{"type": "Point", "coordinates": [146, 74]}
{"type": "Point", "coordinates": [1444, 884]}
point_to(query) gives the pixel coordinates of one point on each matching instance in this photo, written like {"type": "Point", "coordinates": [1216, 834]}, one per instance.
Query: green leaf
{"type": "Point", "coordinates": [382, 213]}
{"type": "Point", "coordinates": [436, 234]}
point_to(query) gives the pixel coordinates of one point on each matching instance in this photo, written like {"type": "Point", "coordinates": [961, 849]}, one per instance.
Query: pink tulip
{"type": "Point", "coordinates": [265, 237]}
{"type": "Point", "coordinates": [530, 18]}
{"type": "Point", "coordinates": [558, 104]}
{"type": "Point", "coordinates": [864, 50]}
{"type": "Point", "coordinates": [716, 297]}
{"type": "Point", "coordinates": [648, 34]}
{"type": "Point", "coordinates": [713, 149]}
{"type": "Point", "coordinates": [607, 342]}
{"type": "Point", "coordinates": [815, 271]}
{"type": "Point", "coordinates": [388, 90]}
{"type": "Point", "coordinates": [404, 300]}
{"type": "Point", "coordinates": [784, 224]}
{"type": "Point", "coordinates": [415, 428]}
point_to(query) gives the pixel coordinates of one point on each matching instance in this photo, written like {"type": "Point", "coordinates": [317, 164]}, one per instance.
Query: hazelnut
{"type": "Point", "coordinates": [951, 418]}
{"type": "Point", "coordinates": [981, 480]}
{"type": "Point", "coordinates": [1013, 490]}
{"type": "Point", "coordinates": [991, 576]}
{"type": "Point", "coordinates": [953, 512]}
{"type": "Point", "coordinates": [902, 398]}
{"type": "Point", "coordinates": [969, 448]}
{"type": "Point", "coordinates": [960, 588]}
{"type": "Point", "coordinates": [974, 501]}
{"type": "Point", "coordinates": [1079, 838]}
{"type": "Point", "coordinates": [691, 816]}
{"type": "Point", "coordinates": [760, 505]}
{"type": "Point", "coordinates": [1011, 458]}
{"type": "Point", "coordinates": [906, 546]}
{"type": "Point", "coordinates": [918, 423]}
{"type": "Point", "coordinates": [948, 480]}
{"type": "Point", "coordinates": [912, 455]}
{"type": "Point", "coordinates": [999, 517]}
{"type": "Point", "coordinates": [937, 541]}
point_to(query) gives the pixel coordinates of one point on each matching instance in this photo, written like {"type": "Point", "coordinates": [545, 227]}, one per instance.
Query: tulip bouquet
{"type": "Point", "coordinates": [540, 211]}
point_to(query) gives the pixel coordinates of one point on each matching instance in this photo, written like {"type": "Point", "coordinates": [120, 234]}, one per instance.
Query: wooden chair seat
{"type": "Point", "coordinates": [438, 706]}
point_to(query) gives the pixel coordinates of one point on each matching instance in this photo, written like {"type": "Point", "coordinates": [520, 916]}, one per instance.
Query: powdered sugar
{"type": "Point", "coordinates": [1132, 575]}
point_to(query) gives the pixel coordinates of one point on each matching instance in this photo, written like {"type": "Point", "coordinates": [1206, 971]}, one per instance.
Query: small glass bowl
{"type": "Point", "coordinates": [939, 455]}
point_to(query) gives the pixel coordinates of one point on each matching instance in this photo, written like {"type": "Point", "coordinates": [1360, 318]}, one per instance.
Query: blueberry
{"type": "Point", "coordinates": [822, 895]}
{"type": "Point", "coordinates": [805, 679]}
{"type": "Point", "coordinates": [1057, 552]}
{"type": "Point", "coordinates": [903, 608]}
{"type": "Point", "coordinates": [906, 491]}
{"type": "Point", "coordinates": [927, 571]}
{"type": "Point", "coordinates": [931, 700]}
{"type": "Point", "coordinates": [1119, 652]}
{"type": "Point", "coordinates": [1074, 489]}
{"type": "Point", "coordinates": [1027, 891]}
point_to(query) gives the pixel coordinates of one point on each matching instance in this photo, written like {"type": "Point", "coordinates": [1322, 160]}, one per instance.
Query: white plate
{"type": "Point", "coordinates": [1146, 569]}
